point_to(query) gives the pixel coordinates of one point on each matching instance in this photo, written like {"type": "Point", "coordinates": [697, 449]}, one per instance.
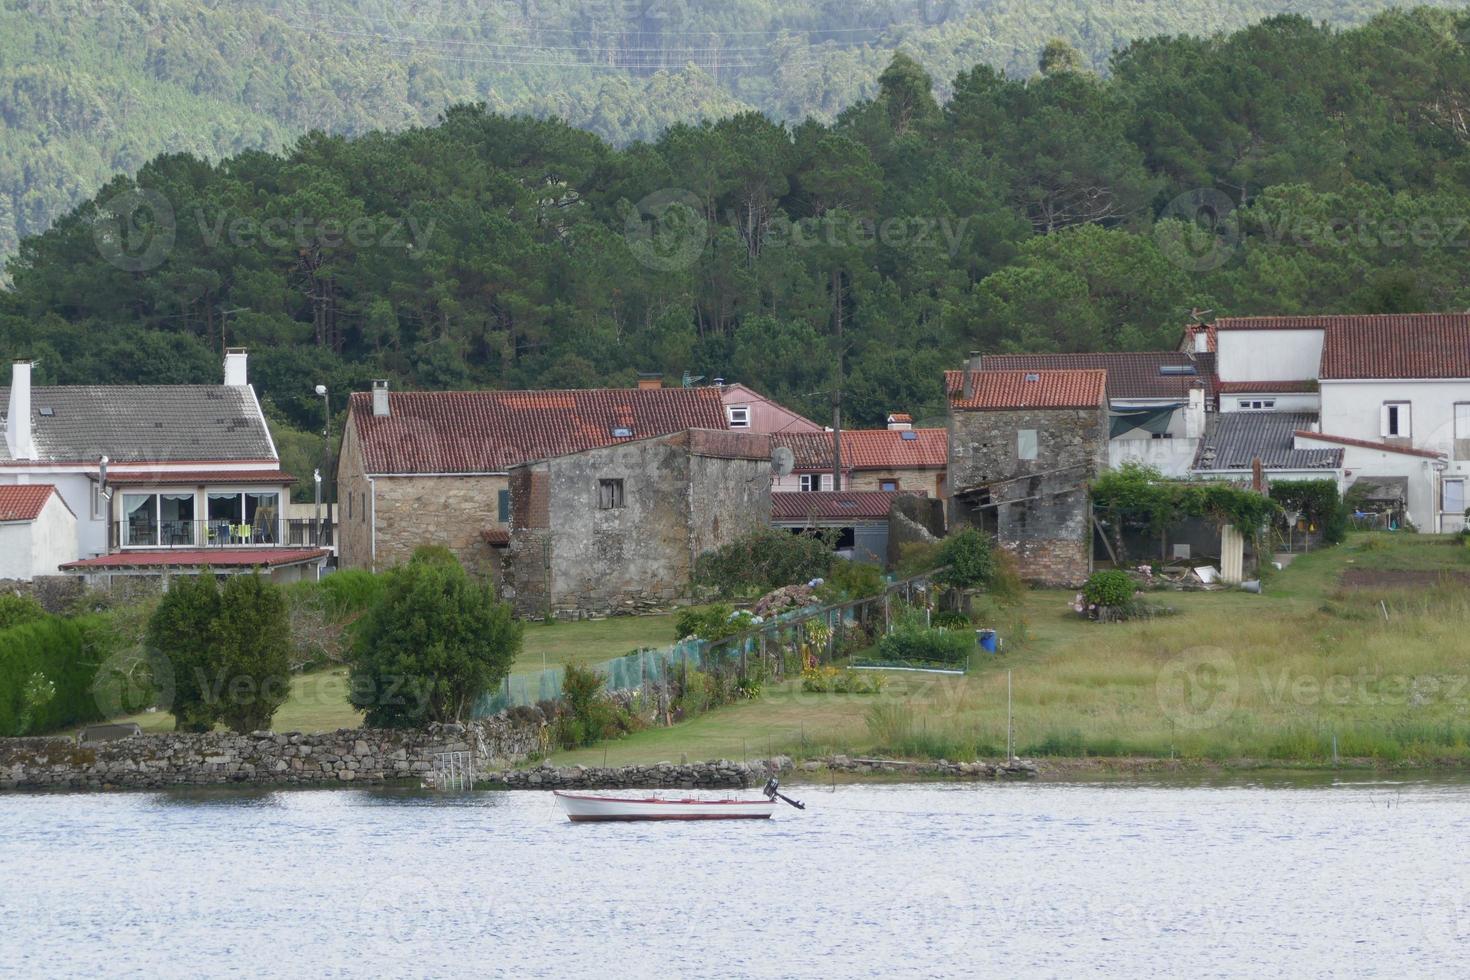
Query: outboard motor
{"type": "Point", "coordinates": [773, 793]}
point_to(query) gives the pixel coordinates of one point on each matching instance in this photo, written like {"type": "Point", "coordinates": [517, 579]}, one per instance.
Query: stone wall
{"type": "Point", "coordinates": [264, 758]}
{"type": "Point", "coordinates": [1038, 509]}
{"type": "Point", "coordinates": [453, 511]}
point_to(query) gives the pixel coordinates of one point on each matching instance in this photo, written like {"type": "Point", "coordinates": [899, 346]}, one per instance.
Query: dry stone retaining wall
{"type": "Point", "coordinates": [267, 758]}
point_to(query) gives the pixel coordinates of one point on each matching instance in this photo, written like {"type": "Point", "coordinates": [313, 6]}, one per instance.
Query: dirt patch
{"type": "Point", "coordinates": [1381, 579]}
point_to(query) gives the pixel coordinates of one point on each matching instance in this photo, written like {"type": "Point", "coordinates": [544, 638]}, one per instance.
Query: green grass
{"type": "Point", "coordinates": [591, 641]}
{"type": "Point", "coordinates": [1233, 676]}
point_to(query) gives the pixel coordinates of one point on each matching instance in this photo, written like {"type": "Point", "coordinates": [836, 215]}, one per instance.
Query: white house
{"type": "Point", "coordinates": [159, 478]}
{"type": "Point", "coordinates": [37, 531]}
{"type": "Point", "coordinates": [1390, 392]}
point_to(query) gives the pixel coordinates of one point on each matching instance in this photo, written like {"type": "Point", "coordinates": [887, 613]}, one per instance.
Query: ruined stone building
{"type": "Point", "coordinates": [1023, 446]}
{"type": "Point", "coordinates": [433, 467]}
{"type": "Point", "coordinates": [617, 528]}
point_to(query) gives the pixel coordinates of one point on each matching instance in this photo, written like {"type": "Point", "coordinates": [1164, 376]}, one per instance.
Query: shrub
{"type": "Point", "coordinates": [951, 621]}
{"type": "Point", "coordinates": [435, 644]}
{"type": "Point", "coordinates": [765, 560]}
{"type": "Point", "coordinates": [1109, 588]}
{"type": "Point", "coordinates": [851, 580]}
{"type": "Point", "coordinates": [968, 558]}
{"type": "Point", "coordinates": [182, 630]}
{"type": "Point", "coordinates": [711, 622]}
{"type": "Point", "coordinates": [252, 653]}
{"type": "Point", "coordinates": [1318, 501]}
{"type": "Point", "coordinates": [18, 609]}
{"type": "Point", "coordinates": [47, 668]}
{"type": "Point", "coordinates": [907, 645]}
{"type": "Point", "coordinates": [835, 680]}
{"type": "Point", "coordinates": [589, 713]}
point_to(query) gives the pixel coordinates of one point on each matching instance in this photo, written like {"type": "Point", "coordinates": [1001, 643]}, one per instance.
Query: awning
{"type": "Point", "coordinates": [1152, 418]}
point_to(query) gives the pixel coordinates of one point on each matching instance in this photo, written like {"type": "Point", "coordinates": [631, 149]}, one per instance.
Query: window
{"type": "Point", "coordinates": [504, 504]}
{"type": "Point", "coordinates": [1256, 404]}
{"type": "Point", "coordinates": [1396, 420]}
{"type": "Point", "coordinates": [140, 519]}
{"type": "Point", "coordinates": [739, 416]}
{"type": "Point", "coordinates": [1026, 447]}
{"type": "Point", "coordinates": [1163, 435]}
{"type": "Point", "coordinates": [1462, 420]}
{"type": "Point", "coordinates": [241, 517]}
{"type": "Point", "coordinates": [99, 503]}
{"type": "Point", "coordinates": [1454, 497]}
{"type": "Point", "coordinates": [609, 494]}
{"type": "Point", "coordinates": [349, 506]}
{"type": "Point", "coordinates": [815, 481]}
{"type": "Point", "coordinates": [888, 486]}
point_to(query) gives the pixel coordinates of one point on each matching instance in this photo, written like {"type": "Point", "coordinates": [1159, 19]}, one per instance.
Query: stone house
{"type": "Point", "coordinates": [617, 528]}
{"type": "Point", "coordinates": [434, 467]}
{"type": "Point", "coordinates": [1023, 446]}
{"type": "Point", "coordinates": [859, 520]}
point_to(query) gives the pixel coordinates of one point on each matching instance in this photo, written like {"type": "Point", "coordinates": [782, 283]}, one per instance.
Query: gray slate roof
{"type": "Point", "coordinates": [1235, 439]}
{"type": "Point", "coordinates": [145, 423]}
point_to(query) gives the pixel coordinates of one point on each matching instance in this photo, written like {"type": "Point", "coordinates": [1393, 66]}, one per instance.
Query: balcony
{"type": "Point", "coordinates": [276, 533]}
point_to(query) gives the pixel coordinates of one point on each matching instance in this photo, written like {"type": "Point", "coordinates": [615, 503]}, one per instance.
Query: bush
{"type": "Point", "coordinates": [851, 580]}
{"type": "Point", "coordinates": [18, 609]}
{"type": "Point", "coordinates": [588, 713]}
{"type": "Point", "coordinates": [1319, 502]}
{"type": "Point", "coordinates": [47, 669]}
{"type": "Point", "coordinates": [951, 621]}
{"type": "Point", "coordinates": [182, 630]}
{"type": "Point", "coordinates": [436, 643]}
{"type": "Point", "coordinates": [834, 680]}
{"type": "Point", "coordinates": [968, 558]}
{"type": "Point", "coordinates": [765, 560]}
{"type": "Point", "coordinates": [711, 622]}
{"type": "Point", "coordinates": [907, 645]}
{"type": "Point", "coordinates": [1109, 588]}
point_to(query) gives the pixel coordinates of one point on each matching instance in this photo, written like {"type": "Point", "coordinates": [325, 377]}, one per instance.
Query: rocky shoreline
{"type": "Point", "coordinates": [724, 774]}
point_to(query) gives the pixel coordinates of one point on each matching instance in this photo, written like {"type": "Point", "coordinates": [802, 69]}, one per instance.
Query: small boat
{"type": "Point", "coordinates": [580, 807]}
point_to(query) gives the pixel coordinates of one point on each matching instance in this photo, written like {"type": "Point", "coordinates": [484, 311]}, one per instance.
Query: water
{"type": "Point", "coordinates": [1365, 879]}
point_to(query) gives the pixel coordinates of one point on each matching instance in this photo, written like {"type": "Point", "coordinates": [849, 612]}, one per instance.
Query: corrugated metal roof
{"type": "Point", "coordinates": [179, 478]}
{"type": "Point", "coordinates": [202, 558]}
{"type": "Point", "coordinates": [1236, 439]}
{"type": "Point", "coordinates": [1001, 390]}
{"type": "Point", "coordinates": [491, 431]}
{"type": "Point", "coordinates": [145, 423]}
{"type": "Point", "coordinates": [829, 506]}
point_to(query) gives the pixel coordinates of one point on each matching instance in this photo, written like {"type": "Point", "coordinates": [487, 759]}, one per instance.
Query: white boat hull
{"type": "Point", "coordinates": [581, 808]}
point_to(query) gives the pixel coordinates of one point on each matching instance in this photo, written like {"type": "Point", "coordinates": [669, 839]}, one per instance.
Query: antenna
{"type": "Point", "coordinates": [783, 461]}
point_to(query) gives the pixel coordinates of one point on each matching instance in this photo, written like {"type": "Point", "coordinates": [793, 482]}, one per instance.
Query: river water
{"type": "Point", "coordinates": [1368, 878]}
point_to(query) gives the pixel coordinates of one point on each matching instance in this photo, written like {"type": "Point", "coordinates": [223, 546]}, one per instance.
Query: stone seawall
{"type": "Point", "coordinates": [266, 758]}
{"type": "Point", "coordinates": [724, 774]}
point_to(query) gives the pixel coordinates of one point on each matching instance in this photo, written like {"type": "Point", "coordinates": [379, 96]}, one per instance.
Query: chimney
{"type": "Point", "coordinates": [18, 417]}
{"type": "Point", "coordinates": [899, 422]}
{"type": "Point", "coordinates": [235, 367]}
{"type": "Point", "coordinates": [972, 370]}
{"type": "Point", "coordinates": [1194, 419]}
{"type": "Point", "coordinates": [1201, 340]}
{"type": "Point", "coordinates": [647, 381]}
{"type": "Point", "coordinates": [380, 398]}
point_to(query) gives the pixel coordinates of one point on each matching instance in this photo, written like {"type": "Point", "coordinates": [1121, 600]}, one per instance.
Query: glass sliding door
{"type": "Point", "coordinates": [225, 518]}
{"type": "Point", "coordinates": [140, 519]}
{"type": "Point", "coordinates": [262, 513]}
{"type": "Point", "coordinates": [176, 524]}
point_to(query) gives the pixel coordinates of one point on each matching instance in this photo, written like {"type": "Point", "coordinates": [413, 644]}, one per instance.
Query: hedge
{"type": "Point", "coordinates": [931, 646]}
{"type": "Point", "coordinates": [65, 653]}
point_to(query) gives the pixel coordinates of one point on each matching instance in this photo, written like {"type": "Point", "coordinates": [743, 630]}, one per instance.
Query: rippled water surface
{"type": "Point", "coordinates": [1368, 879]}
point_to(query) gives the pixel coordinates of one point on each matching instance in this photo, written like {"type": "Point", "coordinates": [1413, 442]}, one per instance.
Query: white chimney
{"type": "Point", "coordinates": [1201, 341]}
{"type": "Point", "coordinates": [1194, 420]}
{"type": "Point", "coordinates": [18, 417]}
{"type": "Point", "coordinates": [235, 367]}
{"type": "Point", "coordinates": [380, 398]}
{"type": "Point", "coordinates": [900, 422]}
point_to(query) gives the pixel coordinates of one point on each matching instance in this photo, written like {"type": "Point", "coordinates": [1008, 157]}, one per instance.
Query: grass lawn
{"type": "Point", "coordinates": [1271, 677]}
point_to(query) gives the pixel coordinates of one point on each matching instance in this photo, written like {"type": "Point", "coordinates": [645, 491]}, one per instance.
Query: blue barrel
{"type": "Point", "coordinates": [986, 639]}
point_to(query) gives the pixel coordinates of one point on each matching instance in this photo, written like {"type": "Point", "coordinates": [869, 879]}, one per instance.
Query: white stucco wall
{"type": "Point", "coordinates": [15, 550]}
{"type": "Point", "coordinates": [1296, 401]}
{"type": "Point", "coordinates": [1171, 457]}
{"type": "Point", "coordinates": [1354, 408]}
{"type": "Point", "coordinates": [1268, 355]}
{"type": "Point", "coordinates": [31, 548]}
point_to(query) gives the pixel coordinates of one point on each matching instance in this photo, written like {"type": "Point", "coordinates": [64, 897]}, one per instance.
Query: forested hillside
{"type": "Point", "coordinates": [1286, 168]}
{"type": "Point", "coordinates": [91, 88]}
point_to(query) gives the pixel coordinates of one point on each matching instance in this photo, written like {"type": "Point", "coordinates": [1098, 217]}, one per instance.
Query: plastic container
{"type": "Point", "coordinates": [987, 640]}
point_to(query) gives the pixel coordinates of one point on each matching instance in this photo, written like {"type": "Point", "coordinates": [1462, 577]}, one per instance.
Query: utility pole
{"type": "Point", "coordinates": [327, 470]}
{"type": "Point", "coordinates": [837, 383]}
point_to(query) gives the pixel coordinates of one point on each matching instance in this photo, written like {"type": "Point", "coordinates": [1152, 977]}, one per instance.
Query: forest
{"type": "Point", "coordinates": [1287, 167]}
{"type": "Point", "coordinates": [94, 88]}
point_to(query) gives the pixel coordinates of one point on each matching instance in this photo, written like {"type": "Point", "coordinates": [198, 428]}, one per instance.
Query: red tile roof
{"type": "Point", "coordinates": [869, 449]}
{"type": "Point", "coordinates": [491, 431]}
{"type": "Point", "coordinates": [1142, 374]}
{"type": "Point", "coordinates": [1263, 387]}
{"type": "Point", "coordinates": [199, 477]}
{"type": "Point", "coordinates": [25, 502]}
{"type": "Point", "coordinates": [1368, 444]}
{"type": "Point", "coordinates": [1186, 343]}
{"type": "Point", "coordinates": [202, 558]}
{"type": "Point", "coordinates": [828, 505]}
{"type": "Point", "coordinates": [495, 537]}
{"type": "Point", "coordinates": [1272, 322]}
{"type": "Point", "coordinates": [1417, 345]}
{"type": "Point", "coordinates": [1002, 390]}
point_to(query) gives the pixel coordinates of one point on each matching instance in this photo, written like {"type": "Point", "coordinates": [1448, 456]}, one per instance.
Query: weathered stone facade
{"type": "Point", "coordinates": [214, 758]}
{"type": "Point", "coordinates": [1037, 508]}
{"type": "Point", "coordinates": [573, 555]}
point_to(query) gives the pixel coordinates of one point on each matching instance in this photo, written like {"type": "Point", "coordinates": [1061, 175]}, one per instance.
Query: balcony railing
{"type": "Point", "coordinates": [280, 533]}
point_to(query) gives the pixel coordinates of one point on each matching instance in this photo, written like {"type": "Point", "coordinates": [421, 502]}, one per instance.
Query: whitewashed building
{"type": "Point", "coordinates": [37, 531]}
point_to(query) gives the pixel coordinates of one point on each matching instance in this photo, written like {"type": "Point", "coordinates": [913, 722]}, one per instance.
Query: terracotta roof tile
{"type": "Point", "coordinates": [25, 502]}
{"type": "Point", "coordinates": [869, 449]}
{"type": "Point", "coordinates": [202, 558]}
{"type": "Point", "coordinates": [177, 478]}
{"type": "Point", "coordinates": [1263, 387]}
{"type": "Point", "coordinates": [491, 431]}
{"type": "Point", "coordinates": [828, 505]}
{"type": "Point", "coordinates": [1421, 345]}
{"type": "Point", "coordinates": [1146, 374]}
{"type": "Point", "coordinates": [1002, 390]}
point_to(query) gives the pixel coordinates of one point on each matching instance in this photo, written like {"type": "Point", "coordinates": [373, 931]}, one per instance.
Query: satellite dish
{"type": "Point", "coordinates": [783, 460]}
